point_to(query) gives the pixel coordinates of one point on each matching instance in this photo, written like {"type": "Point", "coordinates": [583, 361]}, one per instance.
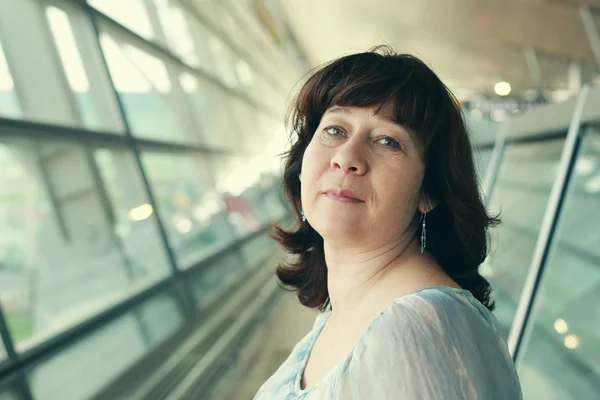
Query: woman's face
{"type": "Point", "coordinates": [377, 161]}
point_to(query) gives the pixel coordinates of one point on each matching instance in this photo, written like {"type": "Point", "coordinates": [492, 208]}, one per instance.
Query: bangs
{"type": "Point", "coordinates": [418, 99]}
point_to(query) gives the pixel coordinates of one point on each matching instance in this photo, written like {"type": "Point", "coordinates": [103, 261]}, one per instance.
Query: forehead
{"type": "Point", "coordinates": [383, 112]}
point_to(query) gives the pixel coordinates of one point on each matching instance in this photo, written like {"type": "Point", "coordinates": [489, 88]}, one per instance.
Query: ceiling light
{"type": "Point", "coordinates": [592, 185]}
{"type": "Point", "coordinates": [183, 225]}
{"type": "Point", "coordinates": [571, 341]}
{"type": "Point", "coordinates": [476, 114]}
{"type": "Point", "coordinates": [498, 115]}
{"type": "Point", "coordinates": [561, 326]}
{"type": "Point", "coordinates": [585, 165]}
{"type": "Point", "coordinates": [560, 95]}
{"type": "Point", "coordinates": [140, 213]}
{"type": "Point", "coordinates": [502, 88]}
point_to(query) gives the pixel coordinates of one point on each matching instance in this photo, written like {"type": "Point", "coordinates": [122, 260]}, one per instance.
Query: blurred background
{"type": "Point", "coordinates": [140, 172]}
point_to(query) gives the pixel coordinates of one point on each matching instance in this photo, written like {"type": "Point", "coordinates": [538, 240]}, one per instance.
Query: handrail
{"type": "Point", "coordinates": [242, 305]}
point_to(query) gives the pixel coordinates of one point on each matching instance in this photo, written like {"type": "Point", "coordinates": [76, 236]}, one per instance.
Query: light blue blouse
{"type": "Point", "coordinates": [435, 343]}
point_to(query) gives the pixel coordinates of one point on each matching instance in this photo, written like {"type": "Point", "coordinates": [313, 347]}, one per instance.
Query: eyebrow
{"type": "Point", "coordinates": [344, 110]}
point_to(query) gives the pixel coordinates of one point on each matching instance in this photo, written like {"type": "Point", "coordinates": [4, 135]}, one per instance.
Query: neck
{"type": "Point", "coordinates": [360, 279]}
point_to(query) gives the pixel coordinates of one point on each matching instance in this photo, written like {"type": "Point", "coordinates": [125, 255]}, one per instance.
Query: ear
{"type": "Point", "coordinates": [426, 204]}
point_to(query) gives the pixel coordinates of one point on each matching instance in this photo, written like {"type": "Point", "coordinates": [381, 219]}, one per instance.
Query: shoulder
{"type": "Point", "coordinates": [437, 321]}
{"type": "Point", "coordinates": [436, 310]}
{"type": "Point", "coordinates": [435, 341]}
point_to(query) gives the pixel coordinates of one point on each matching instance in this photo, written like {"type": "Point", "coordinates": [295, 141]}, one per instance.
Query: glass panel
{"type": "Point", "coordinates": [201, 36]}
{"type": "Point", "coordinates": [251, 191]}
{"type": "Point", "coordinates": [482, 159]}
{"type": "Point", "coordinates": [193, 212]}
{"type": "Point", "coordinates": [216, 278]}
{"type": "Point", "coordinates": [271, 98]}
{"type": "Point", "coordinates": [225, 61]}
{"type": "Point", "coordinates": [212, 112]}
{"type": "Point", "coordinates": [177, 32]}
{"type": "Point", "coordinates": [245, 76]}
{"type": "Point", "coordinates": [250, 132]}
{"type": "Point", "coordinates": [68, 250]}
{"type": "Point", "coordinates": [131, 13]}
{"type": "Point", "coordinates": [254, 181]}
{"type": "Point", "coordinates": [212, 11]}
{"type": "Point", "coordinates": [561, 358]}
{"type": "Point", "coordinates": [160, 318]}
{"type": "Point", "coordinates": [521, 194]}
{"type": "Point", "coordinates": [89, 99]}
{"type": "Point", "coordinates": [153, 107]}
{"type": "Point", "coordinates": [9, 395]}
{"type": "Point", "coordinates": [258, 249]}
{"type": "Point", "coordinates": [86, 367]}
{"type": "Point", "coordinates": [9, 106]}
{"type": "Point", "coordinates": [134, 222]}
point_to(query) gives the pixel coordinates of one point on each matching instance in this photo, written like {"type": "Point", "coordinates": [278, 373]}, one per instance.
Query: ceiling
{"type": "Point", "coordinates": [471, 44]}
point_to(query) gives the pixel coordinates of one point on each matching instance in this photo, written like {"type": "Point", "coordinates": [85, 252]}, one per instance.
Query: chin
{"type": "Point", "coordinates": [338, 229]}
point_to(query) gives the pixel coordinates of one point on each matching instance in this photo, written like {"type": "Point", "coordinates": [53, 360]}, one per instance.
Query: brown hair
{"type": "Point", "coordinates": [456, 227]}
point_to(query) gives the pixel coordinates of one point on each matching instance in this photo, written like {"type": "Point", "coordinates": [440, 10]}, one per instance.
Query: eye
{"type": "Point", "coordinates": [334, 131]}
{"type": "Point", "coordinates": [389, 142]}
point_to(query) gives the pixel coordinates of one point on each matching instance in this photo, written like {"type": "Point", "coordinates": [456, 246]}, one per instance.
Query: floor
{"type": "Point", "coordinates": [270, 345]}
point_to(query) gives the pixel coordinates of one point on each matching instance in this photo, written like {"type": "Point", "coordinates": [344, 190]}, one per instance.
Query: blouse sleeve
{"type": "Point", "coordinates": [432, 345]}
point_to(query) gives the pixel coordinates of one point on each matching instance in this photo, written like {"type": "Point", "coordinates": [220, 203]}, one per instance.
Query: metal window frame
{"type": "Point", "coordinates": [547, 229]}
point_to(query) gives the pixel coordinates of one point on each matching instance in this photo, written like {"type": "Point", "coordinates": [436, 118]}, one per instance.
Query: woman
{"type": "Point", "coordinates": [392, 233]}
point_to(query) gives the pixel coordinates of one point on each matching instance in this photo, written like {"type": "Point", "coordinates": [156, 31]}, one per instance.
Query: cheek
{"type": "Point", "coordinates": [312, 163]}
{"type": "Point", "coordinates": [314, 167]}
{"type": "Point", "coordinates": [308, 174]}
{"type": "Point", "coordinates": [402, 188]}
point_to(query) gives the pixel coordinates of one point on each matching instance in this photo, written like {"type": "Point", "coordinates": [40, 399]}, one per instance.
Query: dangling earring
{"type": "Point", "coordinates": [423, 234]}
{"type": "Point", "coordinates": [303, 216]}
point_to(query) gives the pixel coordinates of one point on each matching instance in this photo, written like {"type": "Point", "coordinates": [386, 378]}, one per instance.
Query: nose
{"type": "Point", "coordinates": [349, 158]}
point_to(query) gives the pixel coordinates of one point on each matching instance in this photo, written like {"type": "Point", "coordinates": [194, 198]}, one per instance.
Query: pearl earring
{"type": "Point", "coordinates": [303, 215]}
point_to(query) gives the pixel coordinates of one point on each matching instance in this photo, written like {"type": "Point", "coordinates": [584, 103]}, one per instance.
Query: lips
{"type": "Point", "coordinates": [342, 194]}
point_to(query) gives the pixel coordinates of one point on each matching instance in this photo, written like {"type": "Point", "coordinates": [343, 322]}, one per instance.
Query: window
{"type": "Point", "coordinates": [225, 62]}
{"type": "Point", "coordinates": [2, 349]}
{"type": "Point", "coordinates": [257, 250]}
{"type": "Point", "coordinates": [107, 352]}
{"type": "Point", "coordinates": [73, 65]}
{"type": "Point", "coordinates": [252, 190]}
{"type": "Point", "coordinates": [213, 113]}
{"type": "Point", "coordinates": [482, 158]}
{"type": "Point", "coordinates": [521, 194]}
{"type": "Point", "coordinates": [175, 26]}
{"type": "Point", "coordinates": [154, 109]}
{"type": "Point", "coordinates": [77, 236]}
{"type": "Point", "coordinates": [216, 278]}
{"type": "Point", "coordinates": [561, 357]}
{"type": "Point", "coordinates": [160, 317]}
{"type": "Point", "coordinates": [83, 252]}
{"type": "Point", "coordinates": [9, 395]}
{"type": "Point", "coordinates": [194, 214]}
{"type": "Point", "coordinates": [131, 13]}
{"type": "Point", "coordinates": [9, 106]}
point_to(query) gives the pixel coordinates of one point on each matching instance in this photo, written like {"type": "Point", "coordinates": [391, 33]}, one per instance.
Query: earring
{"type": "Point", "coordinates": [423, 234]}
{"type": "Point", "coordinates": [303, 216]}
